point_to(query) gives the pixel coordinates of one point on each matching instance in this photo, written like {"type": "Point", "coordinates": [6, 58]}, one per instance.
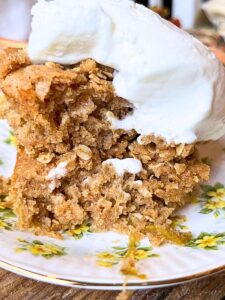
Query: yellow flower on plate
{"type": "Point", "coordinates": [214, 205]}
{"type": "Point", "coordinates": [79, 231]}
{"type": "Point", "coordinates": [5, 225]}
{"type": "Point", "coordinates": [108, 259]}
{"type": "Point", "coordinates": [219, 194]}
{"type": "Point", "coordinates": [141, 254]}
{"type": "Point", "coordinates": [45, 249]}
{"type": "Point", "coordinates": [108, 255]}
{"type": "Point", "coordinates": [213, 200]}
{"type": "Point", "coordinates": [105, 264]}
{"type": "Point", "coordinates": [11, 140]}
{"type": "Point", "coordinates": [38, 248]}
{"type": "Point", "coordinates": [220, 204]}
{"type": "Point", "coordinates": [208, 241]}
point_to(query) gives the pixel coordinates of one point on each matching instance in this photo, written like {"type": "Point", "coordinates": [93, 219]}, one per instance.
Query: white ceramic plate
{"type": "Point", "coordinates": [85, 259]}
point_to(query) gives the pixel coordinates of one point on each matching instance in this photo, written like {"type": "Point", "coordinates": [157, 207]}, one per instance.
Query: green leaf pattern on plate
{"type": "Point", "coordinates": [208, 241]}
{"type": "Point", "coordinates": [213, 200]}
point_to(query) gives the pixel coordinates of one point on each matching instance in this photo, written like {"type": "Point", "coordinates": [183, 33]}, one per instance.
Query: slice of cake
{"type": "Point", "coordinates": [73, 168]}
{"type": "Point", "coordinates": [107, 131]}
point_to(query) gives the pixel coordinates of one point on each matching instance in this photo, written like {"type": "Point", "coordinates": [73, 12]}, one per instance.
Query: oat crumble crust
{"type": "Point", "coordinates": [59, 115]}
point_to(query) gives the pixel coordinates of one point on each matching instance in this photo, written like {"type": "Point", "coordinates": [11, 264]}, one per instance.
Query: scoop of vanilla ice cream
{"type": "Point", "coordinates": [177, 86]}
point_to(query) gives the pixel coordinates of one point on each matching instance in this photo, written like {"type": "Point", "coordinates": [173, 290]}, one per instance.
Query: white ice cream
{"type": "Point", "coordinates": [176, 84]}
{"type": "Point", "coordinates": [58, 172]}
{"type": "Point", "coordinates": [130, 165]}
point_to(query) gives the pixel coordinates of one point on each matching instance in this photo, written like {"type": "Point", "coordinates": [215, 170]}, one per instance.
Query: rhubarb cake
{"type": "Point", "coordinates": [107, 135]}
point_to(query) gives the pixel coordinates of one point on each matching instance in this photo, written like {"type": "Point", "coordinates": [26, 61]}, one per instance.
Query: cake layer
{"type": "Point", "coordinates": [71, 191]}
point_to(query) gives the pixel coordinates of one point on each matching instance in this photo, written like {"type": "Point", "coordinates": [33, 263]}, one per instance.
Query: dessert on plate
{"type": "Point", "coordinates": [108, 104]}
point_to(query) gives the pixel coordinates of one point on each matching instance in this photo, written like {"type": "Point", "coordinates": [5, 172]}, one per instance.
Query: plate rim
{"type": "Point", "coordinates": [107, 286]}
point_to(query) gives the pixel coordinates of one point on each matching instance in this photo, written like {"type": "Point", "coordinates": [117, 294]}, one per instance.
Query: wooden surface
{"type": "Point", "coordinates": [13, 287]}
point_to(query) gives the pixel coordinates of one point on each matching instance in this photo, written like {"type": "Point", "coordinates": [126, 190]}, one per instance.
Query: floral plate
{"type": "Point", "coordinates": [90, 260]}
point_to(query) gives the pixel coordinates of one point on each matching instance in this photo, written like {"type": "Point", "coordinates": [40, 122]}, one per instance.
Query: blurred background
{"type": "Point", "coordinates": [205, 19]}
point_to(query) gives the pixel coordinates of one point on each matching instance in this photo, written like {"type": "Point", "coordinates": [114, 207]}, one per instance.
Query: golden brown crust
{"type": "Point", "coordinates": [12, 59]}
